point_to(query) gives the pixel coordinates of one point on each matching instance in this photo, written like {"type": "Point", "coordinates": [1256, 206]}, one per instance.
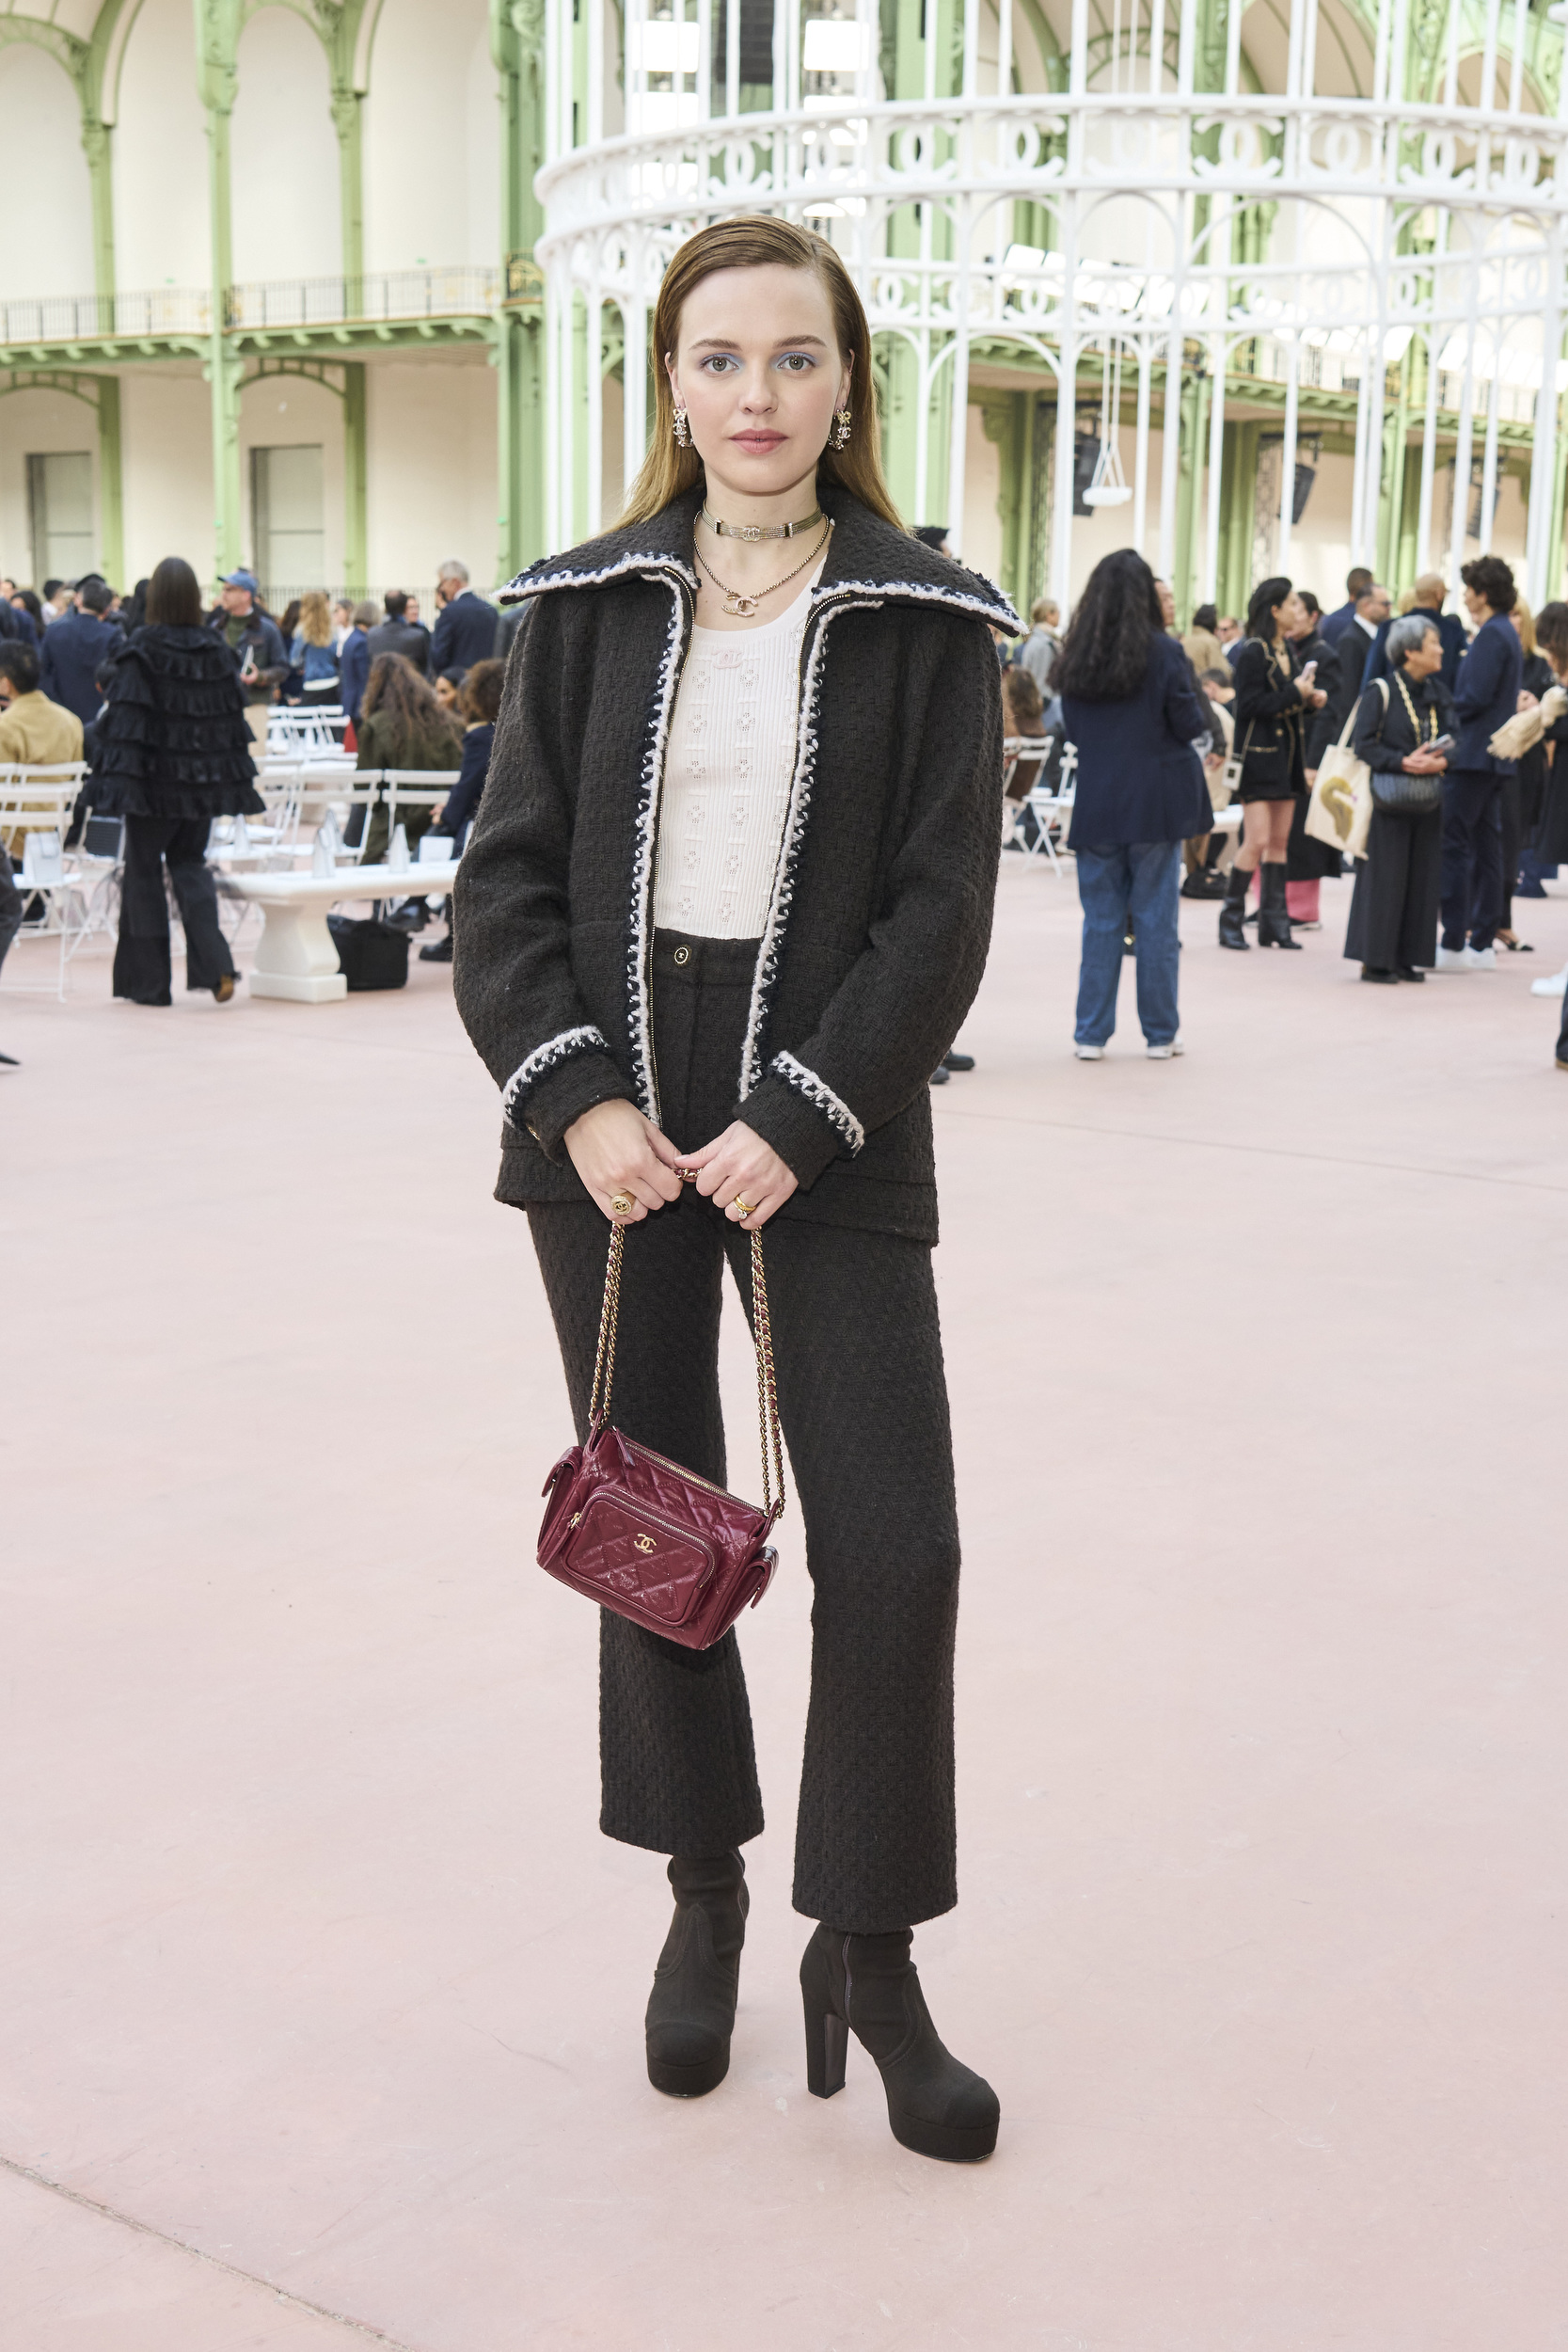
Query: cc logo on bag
{"type": "Point", "coordinates": [645, 1543]}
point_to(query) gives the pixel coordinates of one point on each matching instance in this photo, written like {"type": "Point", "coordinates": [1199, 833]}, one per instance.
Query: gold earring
{"type": "Point", "coordinates": [682, 435]}
{"type": "Point", "coordinates": [841, 431]}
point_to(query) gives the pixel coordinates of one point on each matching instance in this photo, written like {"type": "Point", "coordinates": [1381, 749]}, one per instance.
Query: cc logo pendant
{"type": "Point", "coordinates": [742, 607]}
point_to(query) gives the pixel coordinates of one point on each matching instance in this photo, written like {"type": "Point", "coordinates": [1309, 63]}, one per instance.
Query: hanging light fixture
{"type": "Point", "coordinates": [1108, 489]}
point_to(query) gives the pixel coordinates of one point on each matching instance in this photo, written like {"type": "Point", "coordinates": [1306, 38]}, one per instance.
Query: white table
{"type": "Point", "coordinates": [294, 956]}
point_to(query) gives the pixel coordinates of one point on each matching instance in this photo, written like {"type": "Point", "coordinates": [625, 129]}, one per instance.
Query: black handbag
{"type": "Point", "coordinates": [371, 954]}
{"type": "Point", "coordinates": [1398, 794]}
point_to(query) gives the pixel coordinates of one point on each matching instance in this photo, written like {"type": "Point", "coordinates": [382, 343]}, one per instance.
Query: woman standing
{"type": "Point", "coordinates": [1270, 699]}
{"type": "Point", "coordinates": [312, 654]}
{"type": "Point", "coordinates": [725, 904]}
{"type": "Point", "coordinates": [1392, 931]}
{"type": "Point", "coordinates": [173, 751]}
{"type": "Point", "coordinates": [1524, 793]}
{"type": "Point", "coordinates": [402, 725]}
{"type": "Point", "coordinates": [1131, 706]}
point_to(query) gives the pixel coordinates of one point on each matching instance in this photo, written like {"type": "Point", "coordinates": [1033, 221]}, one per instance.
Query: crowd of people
{"type": "Point", "coordinates": [1449, 718]}
{"type": "Point", "coordinates": [1167, 729]}
{"type": "Point", "coordinates": [167, 702]}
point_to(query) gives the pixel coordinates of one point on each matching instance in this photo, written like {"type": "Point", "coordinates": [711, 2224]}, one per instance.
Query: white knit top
{"type": "Point", "coordinates": [727, 774]}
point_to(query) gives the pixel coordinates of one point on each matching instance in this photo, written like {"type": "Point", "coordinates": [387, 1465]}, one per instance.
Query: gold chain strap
{"type": "Point", "coordinates": [767, 1387]}
{"type": "Point", "coordinates": [1414, 722]}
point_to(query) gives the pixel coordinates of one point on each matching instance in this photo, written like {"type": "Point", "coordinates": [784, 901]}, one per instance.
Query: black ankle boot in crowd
{"type": "Point", "coordinates": [934, 2105]}
{"type": "Point", "coordinates": [691, 2006]}
{"type": "Point", "coordinates": [1231, 933]}
{"type": "Point", "coordinates": [1273, 924]}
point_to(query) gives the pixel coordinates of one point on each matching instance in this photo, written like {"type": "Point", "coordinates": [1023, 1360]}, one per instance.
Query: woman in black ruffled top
{"type": "Point", "coordinates": [172, 751]}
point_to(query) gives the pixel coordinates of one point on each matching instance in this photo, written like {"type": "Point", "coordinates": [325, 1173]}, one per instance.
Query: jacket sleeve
{"type": "Point", "coordinates": [440, 642]}
{"type": "Point", "coordinates": [511, 974]}
{"type": "Point", "coordinates": [1371, 717]}
{"type": "Point", "coordinates": [1188, 713]}
{"type": "Point", "coordinates": [1479, 677]}
{"type": "Point", "coordinates": [1327, 725]}
{"type": "Point", "coordinates": [1255, 697]}
{"type": "Point", "coordinates": [901, 1005]}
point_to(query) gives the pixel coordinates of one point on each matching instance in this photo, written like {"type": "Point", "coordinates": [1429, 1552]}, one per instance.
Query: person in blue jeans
{"type": "Point", "coordinates": [1132, 708]}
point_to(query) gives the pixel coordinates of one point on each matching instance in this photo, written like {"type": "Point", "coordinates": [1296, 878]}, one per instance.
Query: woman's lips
{"type": "Point", "coordinates": [758, 441]}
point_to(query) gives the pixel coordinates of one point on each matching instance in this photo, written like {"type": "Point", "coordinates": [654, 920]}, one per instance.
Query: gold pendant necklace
{"type": "Point", "coordinates": [740, 606]}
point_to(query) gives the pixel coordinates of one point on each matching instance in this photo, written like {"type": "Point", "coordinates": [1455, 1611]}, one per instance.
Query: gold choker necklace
{"type": "Point", "coordinates": [760, 531]}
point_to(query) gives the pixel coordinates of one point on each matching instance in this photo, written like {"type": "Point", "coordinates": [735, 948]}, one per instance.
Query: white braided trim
{"type": "Point", "coordinates": [643, 865]}
{"type": "Point", "coordinates": [561, 1048]}
{"type": "Point", "coordinates": [517, 591]}
{"type": "Point", "coordinates": [795, 826]}
{"type": "Point", "coordinates": [821, 1096]}
{"type": "Point", "coordinates": [994, 608]}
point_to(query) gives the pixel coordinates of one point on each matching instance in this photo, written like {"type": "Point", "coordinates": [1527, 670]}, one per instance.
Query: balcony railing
{"type": "Point", "coordinates": [99, 318]}
{"type": "Point", "coordinates": [392, 298]}
{"type": "Point", "coordinates": [383, 297]}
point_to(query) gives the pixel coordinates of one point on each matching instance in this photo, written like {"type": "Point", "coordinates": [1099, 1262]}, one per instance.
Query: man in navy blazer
{"type": "Point", "coordinates": [76, 650]}
{"type": "Point", "coordinates": [1430, 590]}
{"type": "Point", "coordinates": [466, 628]}
{"type": "Point", "coordinates": [1486, 694]}
{"type": "Point", "coordinates": [1334, 625]}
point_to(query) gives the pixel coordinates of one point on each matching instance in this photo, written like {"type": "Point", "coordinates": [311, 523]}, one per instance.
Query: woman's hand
{"type": "Point", "coordinates": [1527, 700]}
{"type": "Point", "coordinates": [615, 1149]}
{"type": "Point", "coordinates": [1423, 763]}
{"type": "Point", "coordinates": [738, 1164]}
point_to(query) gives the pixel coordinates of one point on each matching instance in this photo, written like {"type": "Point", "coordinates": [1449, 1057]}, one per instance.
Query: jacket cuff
{"type": "Point", "coordinates": [557, 1082]}
{"type": "Point", "coordinates": [799, 1115]}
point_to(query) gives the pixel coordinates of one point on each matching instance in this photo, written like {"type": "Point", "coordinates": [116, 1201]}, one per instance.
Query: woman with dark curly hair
{"type": "Point", "coordinates": [402, 725]}
{"type": "Point", "coordinates": [173, 751]}
{"type": "Point", "coordinates": [1485, 696]}
{"type": "Point", "coordinates": [1274, 691]}
{"type": "Point", "coordinates": [1132, 709]}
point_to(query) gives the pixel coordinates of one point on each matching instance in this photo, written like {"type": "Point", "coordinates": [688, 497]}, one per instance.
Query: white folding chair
{"type": "Point", "coordinates": [1053, 808]}
{"type": "Point", "coordinates": [37, 806]}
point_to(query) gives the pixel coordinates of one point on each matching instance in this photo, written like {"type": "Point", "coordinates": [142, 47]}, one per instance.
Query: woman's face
{"type": "Point", "coordinates": [1424, 659]}
{"type": "Point", "coordinates": [446, 693]}
{"type": "Point", "coordinates": [1291, 616]}
{"type": "Point", "coordinates": [759, 374]}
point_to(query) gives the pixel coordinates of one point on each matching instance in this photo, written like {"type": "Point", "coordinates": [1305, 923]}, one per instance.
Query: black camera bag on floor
{"type": "Point", "coordinates": [371, 954]}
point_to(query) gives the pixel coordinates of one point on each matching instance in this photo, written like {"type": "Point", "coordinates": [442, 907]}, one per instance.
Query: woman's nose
{"type": "Point", "coordinates": [757, 391]}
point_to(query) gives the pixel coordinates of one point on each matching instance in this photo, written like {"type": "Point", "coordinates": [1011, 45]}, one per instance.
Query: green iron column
{"type": "Point", "coordinates": [355, 559]}
{"type": "Point", "coordinates": [111, 501]}
{"type": "Point", "coordinates": [218, 81]}
{"type": "Point", "coordinates": [1193, 410]}
{"type": "Point", "coordinates": [516, 36]}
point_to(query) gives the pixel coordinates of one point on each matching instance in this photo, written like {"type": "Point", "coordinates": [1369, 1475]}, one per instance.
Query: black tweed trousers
{"type": "Point", "coordinates": [864, 1403]}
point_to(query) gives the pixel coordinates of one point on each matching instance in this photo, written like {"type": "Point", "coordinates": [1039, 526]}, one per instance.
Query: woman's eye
{"type": "Point", "coordinates": [720, 363]}
{"type": "Point", "coordinates": [798, 362]}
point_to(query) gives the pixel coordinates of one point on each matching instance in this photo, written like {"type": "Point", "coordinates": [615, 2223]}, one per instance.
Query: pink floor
{"type": "Point", "coordinates": [320, 1995]}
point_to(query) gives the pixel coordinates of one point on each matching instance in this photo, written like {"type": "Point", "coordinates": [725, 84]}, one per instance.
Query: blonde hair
{"type": "Point", "coordinates": [1406, 603]}
{"type": "Point", "coordinates": [756, 242]}
{"type": "Point", "coordinates": [315, 617]}
{"type": "Point", "coordinates": [1524, 620]}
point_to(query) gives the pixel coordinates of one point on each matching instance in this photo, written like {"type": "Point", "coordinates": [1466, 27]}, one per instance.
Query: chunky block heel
{"type": "Point", "coordinates": [935, 2105]}
{"type": "Point", "coordinates": [827, 2033]}
{"type": "Point", "coordinates": [692, 2007]}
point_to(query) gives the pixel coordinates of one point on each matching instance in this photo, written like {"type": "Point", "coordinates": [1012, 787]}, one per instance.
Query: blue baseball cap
{"type": "Point", "coordinates": [242, 580]}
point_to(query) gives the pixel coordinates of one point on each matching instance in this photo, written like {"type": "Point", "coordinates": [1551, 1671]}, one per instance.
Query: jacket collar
{"type": "Point", "coordinates": [868, 559]}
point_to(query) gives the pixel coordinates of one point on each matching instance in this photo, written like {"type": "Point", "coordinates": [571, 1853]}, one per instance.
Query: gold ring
{"type": "Point", "coordinates": [745, 1208]}
{"type": "Point", "coordinates": [623, 1203]}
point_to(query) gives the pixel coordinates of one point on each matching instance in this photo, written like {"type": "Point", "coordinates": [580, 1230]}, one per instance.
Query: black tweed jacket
{"type": "Point", "coordinates": [880, 916]}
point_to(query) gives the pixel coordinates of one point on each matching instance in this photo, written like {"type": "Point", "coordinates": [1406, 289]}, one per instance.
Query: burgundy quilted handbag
{"type": "Point", "coordinates": [644, 1536]}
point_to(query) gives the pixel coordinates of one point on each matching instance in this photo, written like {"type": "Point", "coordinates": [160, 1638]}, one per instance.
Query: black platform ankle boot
{"type": "Point", "coordinates": [1231, 933]}
{"type": "Point", "coordinates": [1274, 922]}
{"type": "Point", "coordinates": [691, 2006]}
{"type": "Point", "coordinates": [934, 2105]}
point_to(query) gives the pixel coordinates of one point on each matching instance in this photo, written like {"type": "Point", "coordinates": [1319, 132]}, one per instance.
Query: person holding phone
{"type": "Point", "coordinates": [1273, 699]}
{"type": "Point", "coordinates": [1402, 726]}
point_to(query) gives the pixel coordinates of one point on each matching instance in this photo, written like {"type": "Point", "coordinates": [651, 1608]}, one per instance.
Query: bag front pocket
{"type": "Point", "coordinates": [635, 1559]}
